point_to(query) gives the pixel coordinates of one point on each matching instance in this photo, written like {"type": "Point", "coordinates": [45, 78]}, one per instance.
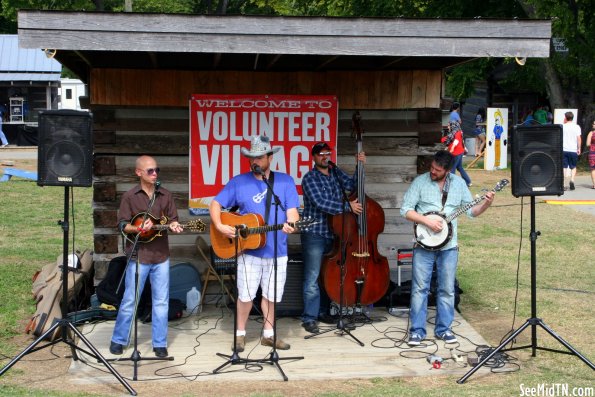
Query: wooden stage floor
{"type": "Point", "coordinates": [195, 341]}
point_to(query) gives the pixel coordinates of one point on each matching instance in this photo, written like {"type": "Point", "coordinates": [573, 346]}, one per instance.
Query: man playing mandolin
{"type": "Point", "coordinates": [436, 191]}
{"type": "Point", "coordinates": [250, 193]}
{"type": "Point", "coordinates": [153, 256]}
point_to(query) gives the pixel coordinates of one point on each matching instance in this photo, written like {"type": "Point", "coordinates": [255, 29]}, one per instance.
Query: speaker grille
{"type": "Point", "coordinates": [537, 161]}
{"type": "Point", "coordinates": [65, 148]}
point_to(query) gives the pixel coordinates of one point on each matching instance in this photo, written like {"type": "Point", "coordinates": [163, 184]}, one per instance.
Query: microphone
{"type": "Point", "coordinates": [332, 164]}
{"type": "Point", "coordinates": [257, 170]}
{"type": "Point", "coordinates": [157, 185]}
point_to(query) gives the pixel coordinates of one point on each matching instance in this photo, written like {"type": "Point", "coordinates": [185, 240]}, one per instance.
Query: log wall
{"type": "Point", "coordinates": [390, 141]}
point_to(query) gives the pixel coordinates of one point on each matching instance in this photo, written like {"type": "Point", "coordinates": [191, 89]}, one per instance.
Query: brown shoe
{"type": "Point", "coordinates": [269, 342]}
{"type": "Point", "coordinates": [240, 343]}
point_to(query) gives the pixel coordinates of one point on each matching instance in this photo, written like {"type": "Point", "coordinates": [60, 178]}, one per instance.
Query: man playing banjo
{"type": "Point", "coordinates": [436, 191]}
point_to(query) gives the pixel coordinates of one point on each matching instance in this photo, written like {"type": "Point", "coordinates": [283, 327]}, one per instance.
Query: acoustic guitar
{"type": "Point", "coordinates": [433, 241]}
{"type": "Point", "coordinates": [160, 224]}
{"type": "Point", "coordinates": [251, 231]}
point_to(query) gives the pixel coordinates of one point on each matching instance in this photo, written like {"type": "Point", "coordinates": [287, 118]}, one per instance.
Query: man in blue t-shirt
{"type": "Point", "coordinates": [248, 192]}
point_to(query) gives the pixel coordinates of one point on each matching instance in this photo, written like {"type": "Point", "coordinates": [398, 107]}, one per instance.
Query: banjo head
{"type": "Point", "coordinates": [429, 239]}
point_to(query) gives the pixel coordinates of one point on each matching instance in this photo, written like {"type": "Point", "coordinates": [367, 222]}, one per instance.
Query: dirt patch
{"type": "Point", "coordinates": [27, 164]}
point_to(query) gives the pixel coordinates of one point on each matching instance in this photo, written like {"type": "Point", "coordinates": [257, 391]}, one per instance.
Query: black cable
{"type": "Point", "coordinates": [518, 269]}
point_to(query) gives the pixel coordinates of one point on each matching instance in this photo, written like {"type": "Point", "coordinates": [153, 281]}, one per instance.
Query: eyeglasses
{"type": "Point", "coordinates": [151, 171]}
{"type": "Point", "coordinates": [324, 153]}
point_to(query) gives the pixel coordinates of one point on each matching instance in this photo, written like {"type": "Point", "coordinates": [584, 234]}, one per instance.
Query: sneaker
{"type": "Point", "coordinates": [414, 340]}
{"type": "Point", "coordinates": [571, 185]}
{"type": "Point", "coordinates": [279, 345]}
{"type": "Point", "coordinates": [447, 337]}
{"type": "Point", "coordinates": [311, 326]}
{"type": "Point", "coordinates": [116, 348]}
{"type": "Point", "coordinates": [240, 343]}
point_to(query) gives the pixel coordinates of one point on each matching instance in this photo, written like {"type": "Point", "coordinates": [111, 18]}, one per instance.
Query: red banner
{"type": "Point", "coordinates": [220, 125]}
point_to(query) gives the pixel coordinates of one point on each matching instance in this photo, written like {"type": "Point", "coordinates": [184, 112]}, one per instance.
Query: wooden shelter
{"type": "Point", "coordinates": [142, 68]}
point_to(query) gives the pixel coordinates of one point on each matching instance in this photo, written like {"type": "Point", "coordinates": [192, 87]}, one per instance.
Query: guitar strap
{"type": "Point", "coordinates": [445, 189]}
{"type": "Point", "coordinates": [269, 198]}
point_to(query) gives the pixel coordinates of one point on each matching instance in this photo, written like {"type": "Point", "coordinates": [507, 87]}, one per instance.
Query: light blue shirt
{"type": "Point", "coordinates": [424, 195]}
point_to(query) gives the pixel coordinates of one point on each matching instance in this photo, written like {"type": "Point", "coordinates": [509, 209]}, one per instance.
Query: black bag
{"type": "Point", "coordinates": [107, 289]}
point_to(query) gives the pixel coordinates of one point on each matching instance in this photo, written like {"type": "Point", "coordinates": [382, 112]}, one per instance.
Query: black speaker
{"type": "Point", "coordinates": [65, 148]}
{"type": "Point", "coordinates": [292, 302]}
{"type": "Point", "coordinates": [537, 161]}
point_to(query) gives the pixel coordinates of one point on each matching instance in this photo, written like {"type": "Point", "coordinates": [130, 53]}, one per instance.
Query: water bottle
{"type": "Point", "coordinates": [192, 301]}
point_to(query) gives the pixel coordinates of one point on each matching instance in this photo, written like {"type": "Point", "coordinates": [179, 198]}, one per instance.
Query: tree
{"type": "Point", "coordinates": [568, 80]}
{"type": "Point", "coordinates": [569, 77]}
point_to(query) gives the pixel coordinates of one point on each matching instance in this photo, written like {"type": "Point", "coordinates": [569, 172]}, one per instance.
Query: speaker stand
{"type": "Point", "coordinates": [534, 321]}
{"type": "Point", "coordinates": [65, 324]}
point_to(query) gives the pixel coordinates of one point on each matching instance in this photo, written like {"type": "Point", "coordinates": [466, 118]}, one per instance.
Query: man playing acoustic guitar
{"type": "Point", "coordinates": [249, 192]}
{"type": "Point", "coordinates": [153, 256]}
{"type": "Point", "coordinates": [440, 191]}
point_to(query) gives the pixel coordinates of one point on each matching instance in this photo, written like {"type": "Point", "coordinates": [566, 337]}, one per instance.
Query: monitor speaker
{"type": "Point", "coordinates": [65, 148]}
{"type": "Point", "coordinates": [537, 161]}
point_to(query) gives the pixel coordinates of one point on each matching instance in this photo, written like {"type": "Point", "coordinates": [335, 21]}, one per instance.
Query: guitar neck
{"type": "Point", "coordinates": [464, 208]}
{"type": "Point", "coordinates": [264, 229]}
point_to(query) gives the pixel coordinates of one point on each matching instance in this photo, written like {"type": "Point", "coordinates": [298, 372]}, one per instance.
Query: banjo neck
{"type": "Point", "coordinates": [464, 208]}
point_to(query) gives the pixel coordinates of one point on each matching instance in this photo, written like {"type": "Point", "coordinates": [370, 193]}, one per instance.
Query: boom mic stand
{"type": "Point", "coordinates": [534, 321]}
{"type": "Point", "coordinates": [274, 356]}
{"type": "Point", "coordinates": [64, 324]}
{"type": "Point", "coordinates": [135, 357]}
{"type": "Point", "coordinates": [341, 326]}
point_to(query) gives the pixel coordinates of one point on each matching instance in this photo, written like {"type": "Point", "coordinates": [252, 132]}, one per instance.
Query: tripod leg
{"type": "Point", "coordinates": [566, 344]}
{"type": "Point", "coordinates": [31, 347]}
{"type": "Point", "coordinates": [493, 353]}
{"type": "Point", "coordinates": [99, 357]}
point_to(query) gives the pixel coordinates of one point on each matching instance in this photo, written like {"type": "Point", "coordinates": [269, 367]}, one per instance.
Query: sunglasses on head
{"type": "Point", "coordinates": [151, 171]}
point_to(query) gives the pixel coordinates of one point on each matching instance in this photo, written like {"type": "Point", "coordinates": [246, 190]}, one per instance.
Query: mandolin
{"type": "Point", "coordinates": [160, 224]}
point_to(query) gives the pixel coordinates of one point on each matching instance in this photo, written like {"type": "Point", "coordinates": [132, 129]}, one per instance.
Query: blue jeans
{"type": "Point", "coordinates": [446, 270]}
{"type": "Point", "coordinates": [458, 165]}
{"type": "Point", "coordinates": [315, 301]}
{"type": "Point", "coordinates": [159, 276]}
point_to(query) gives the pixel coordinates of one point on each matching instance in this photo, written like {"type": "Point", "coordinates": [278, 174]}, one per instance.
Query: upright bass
{"type": "Point", "coordinates": [355, 258]}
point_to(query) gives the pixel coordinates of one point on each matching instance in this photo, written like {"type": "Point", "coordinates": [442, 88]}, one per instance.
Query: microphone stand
{"type": "Point", "coordinates": [135, 357]}
{"type": "Point", "coordinates": [274, 356]}
{"type": "Point", "coordinates": [273, 359]}
{"type": "Point", "coordinates": [341, 326]}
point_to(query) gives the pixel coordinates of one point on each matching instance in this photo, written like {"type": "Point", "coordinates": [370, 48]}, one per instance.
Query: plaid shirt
{"type": "Point", "coordinates": [323, 197]}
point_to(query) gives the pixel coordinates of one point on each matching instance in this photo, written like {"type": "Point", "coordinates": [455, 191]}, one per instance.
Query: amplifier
{"type": "Point", "coordinates": [292, 303]}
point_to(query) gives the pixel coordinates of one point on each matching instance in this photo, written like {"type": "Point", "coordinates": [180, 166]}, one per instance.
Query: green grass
{"type": "Point", "coordinates": [487, 273]}
{"type": "Point", "coordinates": [31, 238]}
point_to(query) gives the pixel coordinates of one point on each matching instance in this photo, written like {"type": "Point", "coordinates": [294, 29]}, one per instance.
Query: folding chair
{"type": "Point", "coordinates": [220, 270]}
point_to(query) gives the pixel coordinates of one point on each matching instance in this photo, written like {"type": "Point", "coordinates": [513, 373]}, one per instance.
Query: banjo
{"type": "Point", "coordinates": [433, 241]}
